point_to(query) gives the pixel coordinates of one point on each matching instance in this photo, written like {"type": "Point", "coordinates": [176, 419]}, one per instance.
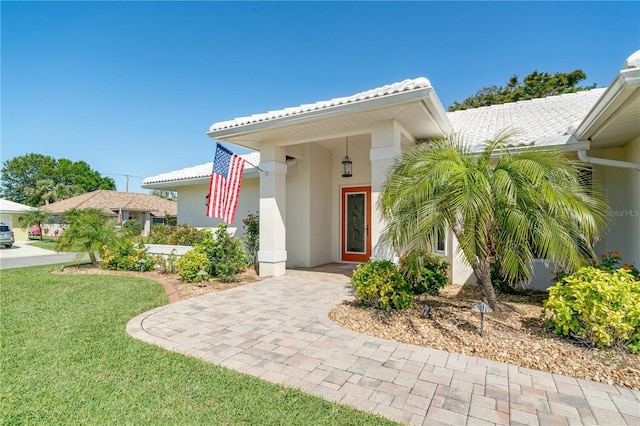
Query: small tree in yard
{"type": "Point", "coordinates": [503, 205]}
{"type": "Point", "coordinates": [252, 237]}
{"type": "Point", "coordinates": [36, 217]}
{"type": "Point", "coordinates": [88, 230]}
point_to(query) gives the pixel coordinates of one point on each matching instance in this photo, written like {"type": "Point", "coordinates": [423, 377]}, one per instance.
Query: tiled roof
{"type": "Point", "coordinates": [531, 120]}
{"type": "Point", "coordinates": [7, 206]}
{"type": "Point", "coordinates": [390, 89]}
{"type": "Point", "coordinates": [199, 171]}
{"type": "Point", "coordinates": [111, 201]}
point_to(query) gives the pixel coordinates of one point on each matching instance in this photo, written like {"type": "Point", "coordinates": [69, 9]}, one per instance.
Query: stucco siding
{"type": "Point", "coordinates": [320, 182]}
{"type": "Point", "coordinates": [191, 205]}
{"type": "Point", "coordinates": [298, 208]}
{"type": "Point", "coordinates": [622, 190]}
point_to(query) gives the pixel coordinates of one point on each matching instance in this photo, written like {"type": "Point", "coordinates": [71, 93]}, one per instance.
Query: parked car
{"type": "Point", "coordinates": [6, 236]}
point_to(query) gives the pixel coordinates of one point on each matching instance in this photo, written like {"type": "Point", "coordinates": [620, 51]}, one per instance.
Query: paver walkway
{"type": "Point", "coordinates": [278, 330]}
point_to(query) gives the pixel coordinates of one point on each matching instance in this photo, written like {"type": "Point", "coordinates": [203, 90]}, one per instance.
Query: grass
{"type": "Point", "coordinates": [47, 243]}
{"type": "Point", "coordinates": [66, 359]}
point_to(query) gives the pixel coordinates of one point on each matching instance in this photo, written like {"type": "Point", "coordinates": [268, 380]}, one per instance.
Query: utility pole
{"type": "Point", "coordinates": [126, 188]}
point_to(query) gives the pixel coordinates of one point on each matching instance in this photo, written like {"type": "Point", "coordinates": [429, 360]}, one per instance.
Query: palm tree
{"type": "Point", "coordinates": [88, 229]}
{"type": "Point", "coordinates": [503, 205]}
{"type": "Point", "coordinates": [36, 217]}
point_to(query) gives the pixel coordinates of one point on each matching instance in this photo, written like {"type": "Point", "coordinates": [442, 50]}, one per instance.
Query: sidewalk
{"type": "Point", "coordinates": [278, 330]}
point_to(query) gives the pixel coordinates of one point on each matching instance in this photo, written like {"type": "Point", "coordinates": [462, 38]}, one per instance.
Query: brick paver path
{"type": "Point", "coordinates": [278, 330]}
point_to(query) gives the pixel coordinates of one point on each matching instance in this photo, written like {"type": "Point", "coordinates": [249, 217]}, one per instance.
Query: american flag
{"type": "Point", "coordinates": [224, 188]}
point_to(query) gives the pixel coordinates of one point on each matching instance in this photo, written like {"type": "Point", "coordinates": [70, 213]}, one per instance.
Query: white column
{"type": "Point", "coordinates": [272, 255]}
{"type": "Point", "coordinates": [385, 148]}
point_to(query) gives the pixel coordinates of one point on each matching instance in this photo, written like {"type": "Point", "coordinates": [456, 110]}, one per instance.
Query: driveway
{"type": "Point", "coordinates": [279, 330]}
{"type": "Point", "coordinates": [23, 254]}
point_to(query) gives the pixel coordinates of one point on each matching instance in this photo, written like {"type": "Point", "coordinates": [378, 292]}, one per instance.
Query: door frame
{"type": "Point", "coordinates": [344, 255]}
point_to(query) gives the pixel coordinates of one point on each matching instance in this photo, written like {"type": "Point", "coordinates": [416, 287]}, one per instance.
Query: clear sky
{"type": "Point", "coordinates": [132, 87]}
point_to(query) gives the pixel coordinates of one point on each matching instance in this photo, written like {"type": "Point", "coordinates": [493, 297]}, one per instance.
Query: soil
{"type": "Point", "coordinates": [517, 336]}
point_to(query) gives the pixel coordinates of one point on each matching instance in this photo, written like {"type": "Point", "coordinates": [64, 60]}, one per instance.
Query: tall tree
{"type": "Point", "coordinates": [36, 217]}
{"type": "Point", "coordinates": [502, 205]}
{"type": "Point", "coordinates": [36, 179]}
{"type": "Point", "coordinates": [534, 85]}
{"type": "Point", "coordinates": [88, 230]}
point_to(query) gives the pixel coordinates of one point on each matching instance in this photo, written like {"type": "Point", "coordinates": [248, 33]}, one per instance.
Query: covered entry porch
{"type": "Point", "coordinates": [310, 214]}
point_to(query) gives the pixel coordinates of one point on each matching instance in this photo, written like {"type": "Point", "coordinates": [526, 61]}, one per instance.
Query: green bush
{"type": "Point", "coordinates": [379, 283]}
{"type": "Point", "coordinates": [252, 237]}
{"type": "Point", "coordinates": [123, 255]}
{"type": "Point", "coordinates": [226, 254]}
{"type": "Point", "coordinates": [191, 263]}
{"type": "Point", "coordinates": [426, 272]}
{"type": "Point", "coordinates": [601, 307]}
{"type": "Point", "coordinates": [132, 227]}
{"type": "Point", "coordinates": [181, 235]}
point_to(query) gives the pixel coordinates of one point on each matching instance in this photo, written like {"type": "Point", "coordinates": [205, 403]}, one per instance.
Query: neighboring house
{"type": "Point", "coordinates": [146, 208]}
{"type": "Point", "coordinates": [310, 214]}
{"type": "Point", "coordinates": [11, 214]}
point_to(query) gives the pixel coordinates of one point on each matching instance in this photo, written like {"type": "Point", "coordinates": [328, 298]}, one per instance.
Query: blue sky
{"type": "Point", "coordinates": [132, 87]}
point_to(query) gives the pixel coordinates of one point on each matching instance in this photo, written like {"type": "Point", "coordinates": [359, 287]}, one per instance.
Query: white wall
{"type": "Point", "coordinates": [623, 192]}
{"type": "Point", "coordinates": [192, 205]}
{"type": "Point", "coordinates": [320, 248]}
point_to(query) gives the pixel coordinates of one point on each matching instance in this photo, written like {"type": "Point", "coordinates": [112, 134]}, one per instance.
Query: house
{"type": "Point", "coordinates": [11, 214]}
{"type": "Point", "coordinates": [311, 213]}
{"type": "Point", "coordinates": [145, 208]}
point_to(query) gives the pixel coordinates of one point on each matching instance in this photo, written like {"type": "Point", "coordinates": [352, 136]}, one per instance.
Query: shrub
{"type": "Point", "coordinates": [426, 272]}
{"type": "Point", "coordinates": [181, 235]}
{"type": "Point", "coordinates": [608, 262]}
{"type": "Point", "coordinates": [225, 253]}
{"type": "Point", "coordinates": [601, 307]}
{"type": "Point", "coordinates": [132, 227]}
{"type": "Point", "coordinates": [123, 255]}
{"type": "Point", "coordinates": [252, 237]}
{"type": "Point", "coordinates": [167, 264]}
{"type": "Point", "coordinates": [191, 263]}
{"type": "Point", "coordinates": [380, 284]}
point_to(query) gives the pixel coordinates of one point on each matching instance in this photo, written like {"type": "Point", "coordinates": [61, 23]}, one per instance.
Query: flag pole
{"type": "Point", "coordinates": [251, 164]}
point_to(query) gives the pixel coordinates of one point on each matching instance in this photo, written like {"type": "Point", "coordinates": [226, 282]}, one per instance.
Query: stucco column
{"type": "Point", "coordinates": [272, 255]}
{"type": "Point", "coordinates": [385, 148]}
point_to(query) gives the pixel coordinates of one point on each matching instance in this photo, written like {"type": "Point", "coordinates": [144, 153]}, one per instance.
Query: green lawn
{"type": "Point", "coordinates": [66, 359]}
{"type": "Point", "coordinates": [47, 243]}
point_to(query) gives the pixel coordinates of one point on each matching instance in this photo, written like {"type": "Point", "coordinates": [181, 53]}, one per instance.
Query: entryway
{"type": "Point", "coordinates": [356, 223]}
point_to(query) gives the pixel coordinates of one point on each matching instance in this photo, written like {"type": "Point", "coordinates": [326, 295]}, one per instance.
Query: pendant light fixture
{"type": "Point", "coordinates": [346, 163]}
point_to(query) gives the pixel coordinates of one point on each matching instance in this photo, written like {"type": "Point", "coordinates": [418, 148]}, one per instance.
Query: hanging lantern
{"type": "Point", "coordinates": [346, 163]}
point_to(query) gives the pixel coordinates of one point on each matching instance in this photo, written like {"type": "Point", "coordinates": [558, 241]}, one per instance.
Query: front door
{"type": "Point", "coordinates": [356, 224]}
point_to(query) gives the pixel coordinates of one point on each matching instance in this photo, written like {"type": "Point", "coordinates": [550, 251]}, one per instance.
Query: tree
{"type": "Point", "coordinates": [36, 217]}
{"type": "Point", "coordinates": [36, 179]}
{"type": "Point", "coordinates": [168, 195]}
{"type": "Point", "coordinates": [534, 85]}
{"type": "Point", "coordinates": [502, 205]}
{"type": "Point", "coordinates": [88, 229]}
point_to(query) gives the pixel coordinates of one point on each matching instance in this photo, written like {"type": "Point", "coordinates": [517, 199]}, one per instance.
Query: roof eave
{"type": "Point", "coordinates": [622, 88]}
{"type": "Point", "coordinates": [426, 95]}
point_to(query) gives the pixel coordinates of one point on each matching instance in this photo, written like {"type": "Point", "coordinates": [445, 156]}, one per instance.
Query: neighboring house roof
{"type": "Point", "coordinates": [541, 121]}
{"type": "Point", "coordinates": [7, 206]}
{"type": "Point", "coordinates": [112, 201]}
{"type": "Point", "coordinates": [198, 174]}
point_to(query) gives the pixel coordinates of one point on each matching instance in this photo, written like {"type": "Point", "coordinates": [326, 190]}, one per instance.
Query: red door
{"type": "Point", "coordinates": [356, 224]}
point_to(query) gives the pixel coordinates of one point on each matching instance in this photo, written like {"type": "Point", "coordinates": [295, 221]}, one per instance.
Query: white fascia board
{"type": "Point", "coordinates": [167, 184]}
{"type": "Point", "coordinates": [437, 112]}
{"type": "Point", "coordinates": [360, 106]}
{"type": "Point", "coordinates": [610, 101]}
